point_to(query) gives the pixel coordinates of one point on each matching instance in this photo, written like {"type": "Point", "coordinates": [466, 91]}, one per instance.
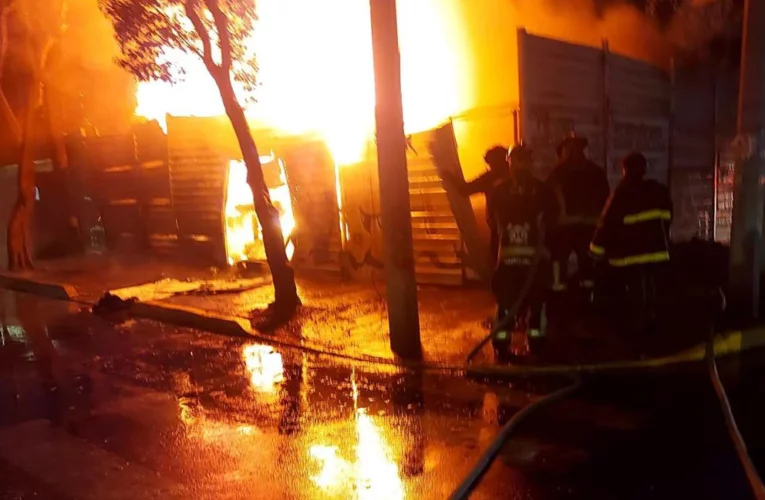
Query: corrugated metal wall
{"type": "Point", "coordinates": [114, 182]}
{"type": "Point", "coordinates": [199, 153]}
{"type": "Point", "coordinates": [127, 179]}
{"type": "Point", "coordinates": [618, 103]}
{"type": "Point", "coordinates": [568, 87]}
{"type": "Point", "coordinates": [200, 150]}
{"type": "Point", "coordinates": [157, 208]}
{"type": "Point", "coordinates": [312, 182]}
{"type": "Point", "coordinates": [562, 87]}
{"type": "Point", "coordinates": [639, 101]}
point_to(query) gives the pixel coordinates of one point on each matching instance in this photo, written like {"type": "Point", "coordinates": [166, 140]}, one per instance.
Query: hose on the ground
{"type": "Point", "coordinates": [755, 482]}
{"type": "Point", "coordinates": [487, 458]}
{"type": "Point", "coordinates": [465, 489]}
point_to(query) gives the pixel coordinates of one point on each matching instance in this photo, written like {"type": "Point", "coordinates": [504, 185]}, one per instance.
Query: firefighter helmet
{"type": "Point", "coordinates": [497, 155]}
{"type": "Point", "coordinates": [635, 165]}
{"type": "Point", "coordinates": [520, 155]}
{"type": "Point", "coordinates": [572, 142]}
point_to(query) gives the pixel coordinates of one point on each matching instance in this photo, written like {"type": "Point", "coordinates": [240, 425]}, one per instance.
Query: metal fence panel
{"type": "Point", "coordinates": [311, 178]}
{"type": "Point", "coordinates": [198, 166]}
{"type": "Point", "coordinates": [561, 89]}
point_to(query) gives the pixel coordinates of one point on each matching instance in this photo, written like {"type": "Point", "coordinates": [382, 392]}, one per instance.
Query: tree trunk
{"type": "Point", "coordinates": [273, 239]}
{"type": "Point", "coordinates": [19, 251]}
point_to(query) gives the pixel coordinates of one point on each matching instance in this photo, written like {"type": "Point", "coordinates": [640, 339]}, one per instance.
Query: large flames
{"type": "Point", "coordinates": [316, 72]}
{"type": "Point", "coordinates": [316, 77]}
{"type": "Point", "coordinates": [241, 244]}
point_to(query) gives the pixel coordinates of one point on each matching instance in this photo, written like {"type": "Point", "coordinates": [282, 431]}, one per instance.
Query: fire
{"type": "Point", "coordinates": [241, 244]}
{"type": "Point", "coordinates": [316, 77]}
{"type": "Point", "coordinates": [316, 72]}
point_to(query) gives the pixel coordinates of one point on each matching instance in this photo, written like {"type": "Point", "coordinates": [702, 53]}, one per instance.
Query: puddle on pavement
{"type": "Point", "coordinates": [235, 418]}
{"type": "Point", "coordinates": [235, 408]}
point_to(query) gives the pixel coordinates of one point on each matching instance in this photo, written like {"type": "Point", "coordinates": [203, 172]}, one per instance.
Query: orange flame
{"type": "Point", "coordinates": [316, 72]}
{"type": "Point", "coordinates": [241, 244]}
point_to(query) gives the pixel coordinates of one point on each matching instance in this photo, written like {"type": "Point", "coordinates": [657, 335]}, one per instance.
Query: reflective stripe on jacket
{"type": "Point", "coordinates": [648, 215]}
{"type": "Point", "coordinates": [509, 251]}
{"type": "Point", "coordinates": [517, 255]}
{"type": "Point", "coordinates": [634, 227]}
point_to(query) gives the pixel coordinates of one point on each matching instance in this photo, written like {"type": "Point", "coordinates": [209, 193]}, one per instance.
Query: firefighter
{"type": "Point", "coordinates": [580, 189]}
{"type": "Point", "coordinates": [632, 236]}
{"type": "Point", "coordinates": [496, 159]}
{"type": "Point", "coordinates": [518, 209]}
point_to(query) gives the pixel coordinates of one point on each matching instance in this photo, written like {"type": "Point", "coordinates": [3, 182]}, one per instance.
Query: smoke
{"type": "Point", "coordinates": [92, 88]}
{"type": "Point", "coordinates": [698, 23]}
{"type": "Point", "coordinates": [629, 31]}
{"type": "Point", "coordinates": [492, 31]}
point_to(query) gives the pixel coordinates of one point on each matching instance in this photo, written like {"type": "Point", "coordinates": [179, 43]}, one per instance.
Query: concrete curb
{"type": "Point", "coordinates": [49, 289]}
{"type": "Point", "coordinates": [200, 319]}
{"type": "Point", "coordinates": [192, 318]}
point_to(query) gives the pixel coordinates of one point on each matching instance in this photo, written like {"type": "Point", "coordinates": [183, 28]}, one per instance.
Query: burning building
{"type": "Point", "coordinates": [312, 117]}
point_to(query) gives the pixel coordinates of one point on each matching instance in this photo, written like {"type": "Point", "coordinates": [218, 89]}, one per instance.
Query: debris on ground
{"type": "Point", "coordinates": [110, 304]}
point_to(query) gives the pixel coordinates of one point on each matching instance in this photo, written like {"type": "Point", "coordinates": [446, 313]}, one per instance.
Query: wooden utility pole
{"type": "Point", "coordinates": [746, 236]}
{"type": "Point", "coordinates": [396, 217]}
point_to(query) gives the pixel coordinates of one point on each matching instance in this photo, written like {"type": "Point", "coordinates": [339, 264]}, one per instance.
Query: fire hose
{"type": "Point", "coordinates": [755, 482]}
{"type": "Point", "coordinates": [471, 481]}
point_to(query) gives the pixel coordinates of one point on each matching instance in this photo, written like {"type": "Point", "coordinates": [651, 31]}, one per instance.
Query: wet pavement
{"type": "Point", "coordinates": [348, 318]}
{"type": "Point", "coordinates": [91, 408]}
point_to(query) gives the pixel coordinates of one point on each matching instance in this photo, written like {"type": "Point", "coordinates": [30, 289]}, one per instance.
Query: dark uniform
{"type": "Point", "coordinates": [518, 207]}
{"type": "Point", "coordinates": [496, 159]}
{"type": "Point", "coordinates": [633, 237]}
{"type": "Point", "coordinates": [580, 189]}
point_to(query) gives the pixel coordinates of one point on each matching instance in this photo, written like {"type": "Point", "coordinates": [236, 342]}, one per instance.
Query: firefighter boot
{"type": "Point", "coordinates": [537, 333]}
{"type": "Point", "coordinates": [501, 340]}
{"type": "Point", "coordinates": [537, 345]}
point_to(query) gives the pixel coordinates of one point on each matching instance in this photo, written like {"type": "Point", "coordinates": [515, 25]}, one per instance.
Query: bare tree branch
{"type": "Point", "coordinates": [221, 24]}
{"type": "Point", "coordinates": [188, 44]}
{"type": "Point", "coordinates": [195, 50]}
{"type": "Point", "coordinates": [204, 35]}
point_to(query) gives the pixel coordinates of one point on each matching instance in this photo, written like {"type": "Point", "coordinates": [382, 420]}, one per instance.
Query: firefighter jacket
{"type": "Point", "coordinates": [580, 190]}
{"type": "Point", "coordinates": [485, 184]}
{"type": "Point", "coordinates": [634, 227]}
{"type": "Point", "coordinates": [519, 208]}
